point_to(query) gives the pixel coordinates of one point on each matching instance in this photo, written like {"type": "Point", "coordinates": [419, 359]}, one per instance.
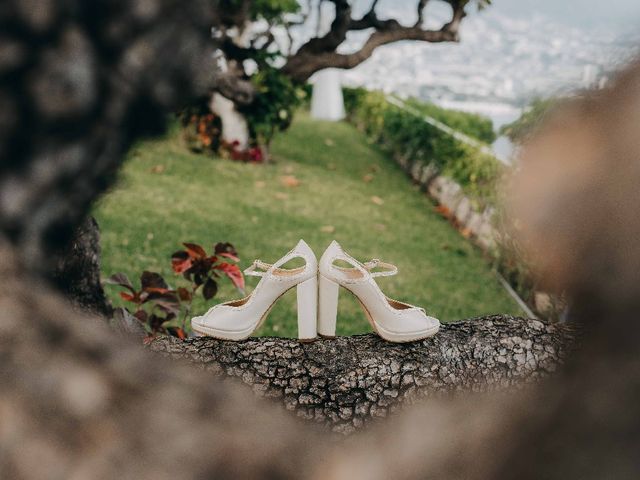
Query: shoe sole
{"type": "Point", "coordinates": [395, 337]}
{"type": "Point", "coordinates": [242, 334]}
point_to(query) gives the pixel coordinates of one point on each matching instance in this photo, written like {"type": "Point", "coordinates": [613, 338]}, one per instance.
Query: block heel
{"type": "Point", "coordinates": [307, 297]}
{"type": "Point", "coordinates": [393, 320]}
{"type": "Point", "coordinates": [327, 307]}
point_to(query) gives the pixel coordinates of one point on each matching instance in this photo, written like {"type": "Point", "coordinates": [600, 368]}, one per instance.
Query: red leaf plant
{"type": "Point", "coordinates": [163, 310]}
{"type": "Point", "coordinates": [249, 155]}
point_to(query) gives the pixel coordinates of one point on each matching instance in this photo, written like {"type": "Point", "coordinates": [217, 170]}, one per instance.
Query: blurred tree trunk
{"type": "Point", "coordinates": [77, 273]}
{"type": "Point", "coordinates": [79, 82]}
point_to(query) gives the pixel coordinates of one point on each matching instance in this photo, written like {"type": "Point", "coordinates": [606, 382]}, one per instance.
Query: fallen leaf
{"type": "Point", "coordinates": [466, 233]}
{"type": "Point", "coordinates": [368, 178]}
{"type": "Point", "coordinates": [260, 184]}
{"type": "Point", "coordinates": [328, 229]}
{"type": "Point", "coordinates": [328, 142]}
{"type": "Point", "coordinates": [289, 181]}
{"type": "Point", "coordinates": [281, 195]}
{"type": "Point", "coordinates": [442, 210]}
{"type": "Point", "coordinates": [377, 200]}
{"type": "Point", "coordinates": [157, 169]}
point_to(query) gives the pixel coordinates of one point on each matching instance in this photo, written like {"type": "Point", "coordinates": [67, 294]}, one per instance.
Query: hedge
{"type": "Point", "coordinates": [407, 136]}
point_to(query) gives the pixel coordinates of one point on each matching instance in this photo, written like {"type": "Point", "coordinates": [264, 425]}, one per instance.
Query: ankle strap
{"type": "Point", "coordinates": [251, 270]}
{"type": "Point", "coordinates": [390, 269]}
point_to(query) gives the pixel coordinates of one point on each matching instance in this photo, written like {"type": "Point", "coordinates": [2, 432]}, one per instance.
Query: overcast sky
{"type": "Point", "coordinates": [584, 13]}
{"type": "Point", "coordinates": [609, 14]}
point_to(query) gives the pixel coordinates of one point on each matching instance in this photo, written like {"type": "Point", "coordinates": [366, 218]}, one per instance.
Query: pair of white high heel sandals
{"type": "Point", "coordinates": [317, 286]}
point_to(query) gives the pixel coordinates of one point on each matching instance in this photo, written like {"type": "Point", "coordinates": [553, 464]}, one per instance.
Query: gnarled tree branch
{"type": "Point", "coordinates": [300, 67]}
{"type": "Point", "coordinates": [349, 382]}
{"type": "Point", "coordinates": [320, 53]}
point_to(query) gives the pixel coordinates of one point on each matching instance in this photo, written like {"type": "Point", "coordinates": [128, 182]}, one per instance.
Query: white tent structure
{"type": "Point", "coordinates": [326, 101]}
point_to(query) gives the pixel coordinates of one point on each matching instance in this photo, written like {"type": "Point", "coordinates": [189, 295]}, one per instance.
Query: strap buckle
{"type": "Point", "coordinates": [389, 269]}
{"type": "Point", "coordinates": [251, 270]}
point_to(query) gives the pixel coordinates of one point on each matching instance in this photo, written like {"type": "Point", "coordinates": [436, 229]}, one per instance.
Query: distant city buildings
{"type": "Point", "coordinates": [500, 65]}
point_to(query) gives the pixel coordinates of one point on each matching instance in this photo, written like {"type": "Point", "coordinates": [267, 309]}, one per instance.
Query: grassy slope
{"type": "Point", "coordinates": [206, 200]}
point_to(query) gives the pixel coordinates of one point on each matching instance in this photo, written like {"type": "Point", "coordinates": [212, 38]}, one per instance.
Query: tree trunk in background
{"type": "Point", "coordinates": [75, 93]}
{"type": "Point", "coordinates": [349, 382]}
{"type": "Point", "coordinates": [78, 271]}
{"type": "Point", "coordinates": [326, 100]}
{"type": "Point", "coordinates": [79, 82]}
{"type": "Point", "coordinates": [234, 125]}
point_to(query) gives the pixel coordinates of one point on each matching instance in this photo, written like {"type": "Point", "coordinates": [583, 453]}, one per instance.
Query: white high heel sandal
{"type": "Point", "coordinates": [238, 319]}
{"type": "Point", "coordinates": [393, 320]}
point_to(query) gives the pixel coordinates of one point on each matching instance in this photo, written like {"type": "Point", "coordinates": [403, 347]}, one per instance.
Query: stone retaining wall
{"type": "Point", "coordinates": [474, 223]}
{"type": "Point", "coordinates": [478, 224]}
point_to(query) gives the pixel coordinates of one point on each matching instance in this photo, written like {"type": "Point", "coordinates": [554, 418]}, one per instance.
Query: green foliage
{"type": "Point", "coordinates": [271, 10]}
{"type": "Point", "coordinates": [412, 140]}
{"type": "Point", "coordinates": [473, 125]}
{"type": "Point", "coordinates": [194, 197]}
{"type": "Point", "coordinates": [519, 130]}
{"type": "Point", "coordinates": [273, 107]}
{"type": "Point", "coordinates": [366, 109]}
{"type": "Point", "coordinates": [164, 310]}
{"type": "Point", "coordinates": [408, 136]}
{"type": "Point", "coordinates": [201, 128]}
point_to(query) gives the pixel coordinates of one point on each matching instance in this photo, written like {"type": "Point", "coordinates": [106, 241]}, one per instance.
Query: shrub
{"type": "Point", "coordinates": [471, 124]}
{"type": "Point", "coordinates": [519, 130]}
{"type": "Point", "coordinates": [164, 310]}
{"type": "Point", "coordinates": [407, 136]}
{"type": "Point", "coordinates": [272, 109]}
{"type": "Point", "coordinates": [201, 128]}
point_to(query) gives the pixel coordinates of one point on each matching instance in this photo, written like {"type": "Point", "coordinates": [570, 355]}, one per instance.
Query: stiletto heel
{"type": "Point", "coordinates": [393, 320]}
{"type": "Point", "coordinates": [238, 319]}
{"type": "Point", "coordinates": [327, 307]}
{"type": "Point", "coordinates": [307, 298]}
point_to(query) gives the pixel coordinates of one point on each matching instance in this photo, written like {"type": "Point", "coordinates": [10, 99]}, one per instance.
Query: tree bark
{"type": "Point", "coordinates": [78, 271]}
{"type": "Point", "coordinates": [75, 93]}
{"type": "Point", "coordinates": [77, 402]}
{"type": "Point", "coordinates": [349, 382]}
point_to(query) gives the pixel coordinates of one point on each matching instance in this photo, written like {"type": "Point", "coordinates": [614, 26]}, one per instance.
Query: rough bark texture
{"type": "Point", "coordinates": [78, 271]}
{"type": "Point", "coordinates": [76, 402]}
{"type": "Point", "coordinates": [347, 382]}
{"type": "Point", "coordinates": [79, 82]}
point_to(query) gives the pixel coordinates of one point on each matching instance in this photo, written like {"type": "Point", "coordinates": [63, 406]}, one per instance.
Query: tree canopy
{"type": "Point", "coordinates": [263, 31]}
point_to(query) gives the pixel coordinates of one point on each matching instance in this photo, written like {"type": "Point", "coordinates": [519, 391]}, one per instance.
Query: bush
{"type": "Point", "coordinates": [161, 309]}
{"type": "Point", "coordinates": [201, 128]}
{"type": "Point", "coordinates": [519, 130]}
{"type": "Point", "coordinates": [471, 124]}
{"type": "Point", "coordinates": [413, 140]}
{"type": "Point", "coordinates": [407, 136]}
{"type": "Point", "coordinates": [272, 109]}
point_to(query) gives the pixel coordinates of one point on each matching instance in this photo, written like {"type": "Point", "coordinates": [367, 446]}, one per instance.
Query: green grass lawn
{"type": "Point", "coordinates": [167, 195]}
